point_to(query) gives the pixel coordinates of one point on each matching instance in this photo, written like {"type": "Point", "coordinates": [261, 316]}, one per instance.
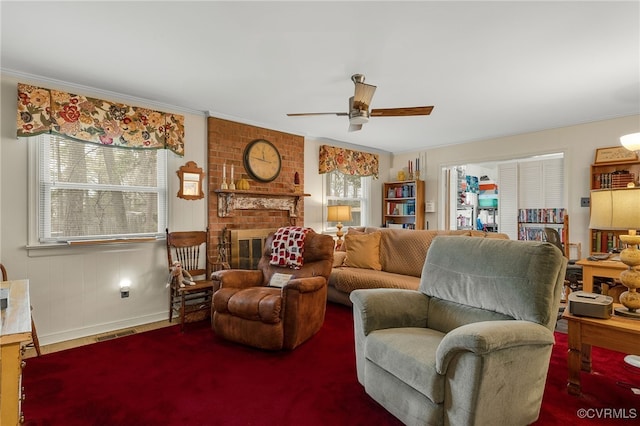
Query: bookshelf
{"type": "Point", "coordinates": [403, 204]}
{"type": "Point", "coordinates": [614, 175]}
{"type": "Point", "coordinates": [531, 223]}
{"type": "Point", "coordinates": [611, 175]}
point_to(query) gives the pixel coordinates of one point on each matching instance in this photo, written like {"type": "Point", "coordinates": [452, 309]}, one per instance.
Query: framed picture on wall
{"type": "Point", "coordinates": [615, 154]}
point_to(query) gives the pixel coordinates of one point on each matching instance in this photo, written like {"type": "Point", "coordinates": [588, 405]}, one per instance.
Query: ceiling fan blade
{"type": "Point", "coordinates": [355, 127]}
{"type": "Point", "coordinates": [363, 95]}
{"type": "Point", "coordinates": [401, 112]}
{"type": "Point", "coordinates": [300, 114]}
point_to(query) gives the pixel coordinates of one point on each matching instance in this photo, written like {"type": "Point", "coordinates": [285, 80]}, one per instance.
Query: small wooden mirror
{"type": "Point", "coordinates": [190, 176]}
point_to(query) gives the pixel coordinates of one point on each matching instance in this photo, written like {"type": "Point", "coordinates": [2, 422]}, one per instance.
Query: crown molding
{"type": "Point", "coordinates": [93, 91]}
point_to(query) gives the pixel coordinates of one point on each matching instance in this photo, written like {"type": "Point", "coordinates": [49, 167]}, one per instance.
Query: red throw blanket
{"type": "Point", "coordinates": [287, 247]}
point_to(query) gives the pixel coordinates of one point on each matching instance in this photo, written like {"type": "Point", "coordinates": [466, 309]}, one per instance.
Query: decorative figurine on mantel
{"type": "Point", "coordinates": [296, 182]}
{"type": "Point", "coordinates": [242, 184]}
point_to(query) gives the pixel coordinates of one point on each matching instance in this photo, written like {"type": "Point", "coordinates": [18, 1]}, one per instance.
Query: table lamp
{"type": "Point", "coordinates": [620, 209]}
{"type": "Point", "coordinates": [338, 214]}
{"type": "Point", "coordinates": [631, 142]}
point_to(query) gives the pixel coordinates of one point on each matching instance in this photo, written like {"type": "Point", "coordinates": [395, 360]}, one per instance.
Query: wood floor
{"type": "Point", "coordinates": [55, 347]}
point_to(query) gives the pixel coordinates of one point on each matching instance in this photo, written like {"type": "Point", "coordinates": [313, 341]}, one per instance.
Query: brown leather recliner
{"type": "Point", "coordinates": [247, 310]}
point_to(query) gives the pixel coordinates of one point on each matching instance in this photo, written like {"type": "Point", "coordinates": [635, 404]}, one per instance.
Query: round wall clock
{"type": "Point", "coordinates": [262, 160]}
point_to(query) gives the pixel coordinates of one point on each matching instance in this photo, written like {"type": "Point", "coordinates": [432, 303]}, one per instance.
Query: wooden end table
{"type": "Point", "coordinates": [599, 268]}
{"type": "Point", "coordinates": [617, 333]}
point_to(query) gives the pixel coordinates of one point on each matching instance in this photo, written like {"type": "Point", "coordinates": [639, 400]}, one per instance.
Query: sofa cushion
{"type": "Point", "coordinates": [338, 258]}
{"type": "Point", "coordinates": [410, 355]}
{"type": "Point", "coordinates": [403, 251]}
{"type": "Point", "coordinates": [348, 279]}
{"type": "Point", "coordinates": [363, 251]}
{"type": "Point", "coordinates": [262, 304]}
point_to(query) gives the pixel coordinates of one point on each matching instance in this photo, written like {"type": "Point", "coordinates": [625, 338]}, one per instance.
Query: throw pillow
{"type": "Point", "coordinates": [352, 230]}
{"type": "Point", "coordinates": [363, 251]}
{"type": "Point", "coordinates": [338, 258]}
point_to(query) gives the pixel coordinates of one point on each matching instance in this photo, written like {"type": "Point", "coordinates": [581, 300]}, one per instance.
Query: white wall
{"type": "Point", "coordinates": [578, 143]}
{"type": "Point", "coordinates": [75, 291]}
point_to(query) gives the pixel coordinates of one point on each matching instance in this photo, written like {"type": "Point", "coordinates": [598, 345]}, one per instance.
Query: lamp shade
{"type": "Point", "coordinates": [338, 213]}
{"type": "Point", "coordinates": [631, 141]}
{"type": "Point", "coordinates": [615, 209]}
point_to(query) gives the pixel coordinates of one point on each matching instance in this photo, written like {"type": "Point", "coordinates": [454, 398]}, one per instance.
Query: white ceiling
{"type": "Point", "coordinates": [490, 68]}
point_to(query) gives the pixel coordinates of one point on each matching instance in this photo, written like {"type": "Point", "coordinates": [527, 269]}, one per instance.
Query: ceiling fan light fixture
{"type": "Point", "coordinates": [358, 110]}
{"type": "Point", "coordinates": [363, 95]}
{"type": "Point", "coordinates": [358, 116]}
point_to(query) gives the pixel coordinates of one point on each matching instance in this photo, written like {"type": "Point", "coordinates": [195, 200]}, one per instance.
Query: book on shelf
{"type": "Point", "coordinates": [401, 191]}
{"type": "Point", "coordinates": [552, 215]}
{"type": "Point", "coordinates": [604, 241]}
{"type": "Point", "coordinates": [617, 179]}
{"type": "Point", "coordinates": [531, 234]}
{"type": "Point", "coordinates": [407, 208]}
{"type": "Point", "coordinates": [401, 225]}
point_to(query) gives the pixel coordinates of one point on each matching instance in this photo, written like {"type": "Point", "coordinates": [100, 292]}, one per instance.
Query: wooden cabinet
{"type": "Point", "coordinates": [403, 204]}
{"type": "Point", "coordinates": [605, 176]}
{"type": "Point", "coordinates": [15, 332]}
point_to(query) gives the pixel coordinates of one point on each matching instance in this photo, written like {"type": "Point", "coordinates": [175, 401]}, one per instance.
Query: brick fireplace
{"type": "Point", "coordinates": [267, 206]}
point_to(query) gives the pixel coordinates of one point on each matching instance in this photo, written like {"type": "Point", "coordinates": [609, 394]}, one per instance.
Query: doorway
{"type": "Point", "coordinates": [488, 196]}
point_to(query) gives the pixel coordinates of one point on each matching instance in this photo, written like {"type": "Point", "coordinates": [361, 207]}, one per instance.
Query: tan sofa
{"type": "Point", "coordinates": [392, 258]}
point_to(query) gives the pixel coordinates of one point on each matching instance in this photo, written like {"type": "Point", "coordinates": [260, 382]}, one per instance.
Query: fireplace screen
{"type": "Point", "coordinates": [247, 246]}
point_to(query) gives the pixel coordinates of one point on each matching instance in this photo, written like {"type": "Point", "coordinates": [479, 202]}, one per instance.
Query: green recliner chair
{"type": "Point", "coordinates": [472, 345]}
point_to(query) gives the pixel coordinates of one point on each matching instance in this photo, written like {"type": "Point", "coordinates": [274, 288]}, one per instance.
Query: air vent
{"type": "Point", "coordinates": [115, 335]}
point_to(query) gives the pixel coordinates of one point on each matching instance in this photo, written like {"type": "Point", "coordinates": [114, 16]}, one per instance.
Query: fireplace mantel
{"type": "Point", "coordinates": [231, 200]}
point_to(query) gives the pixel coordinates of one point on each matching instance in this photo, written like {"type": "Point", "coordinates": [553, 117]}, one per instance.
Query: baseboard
{"type": "Point", "coordinates": [78, 333]}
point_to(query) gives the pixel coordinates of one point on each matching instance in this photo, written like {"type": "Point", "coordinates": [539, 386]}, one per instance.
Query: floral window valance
{"type": "Point", "coordinates": [87, 119]}
{"type": "Point", "coordinates": [347, 161]}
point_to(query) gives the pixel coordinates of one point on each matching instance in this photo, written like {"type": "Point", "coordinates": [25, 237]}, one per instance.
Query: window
{"type": "Point", "coordinates": [86, 191]}
{"type": "Point", "coordinates": [348, 190]}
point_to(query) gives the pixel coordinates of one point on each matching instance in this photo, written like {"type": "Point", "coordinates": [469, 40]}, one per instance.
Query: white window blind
{"type": "Point", "coordinates": [530, 185]}
{"type": "Point", "coordinates": [553, 175]}
{"type": "Point", "coordinates": [541, 184]}
{"type": "Point", "coordinates": [90, 191]}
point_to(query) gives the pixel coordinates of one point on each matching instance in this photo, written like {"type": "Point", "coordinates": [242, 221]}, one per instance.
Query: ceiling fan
{"type": "Point", "coordinates": [359, 107]}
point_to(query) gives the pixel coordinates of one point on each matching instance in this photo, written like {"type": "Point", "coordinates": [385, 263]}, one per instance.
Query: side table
{"type": "Point", "coordinates": [599, 268]}
{"type": "Point", "coordinates": [15, 331]}
{"type": "Point", "coordinates": [617, 333]}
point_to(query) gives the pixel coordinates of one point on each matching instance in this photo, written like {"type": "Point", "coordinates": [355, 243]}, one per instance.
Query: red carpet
{"type": "Point", "coordinates": [164, 377]}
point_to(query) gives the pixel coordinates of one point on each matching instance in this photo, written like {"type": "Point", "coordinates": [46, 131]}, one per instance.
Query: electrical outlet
{"type": "Point", "coordinates": [584, 202]}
